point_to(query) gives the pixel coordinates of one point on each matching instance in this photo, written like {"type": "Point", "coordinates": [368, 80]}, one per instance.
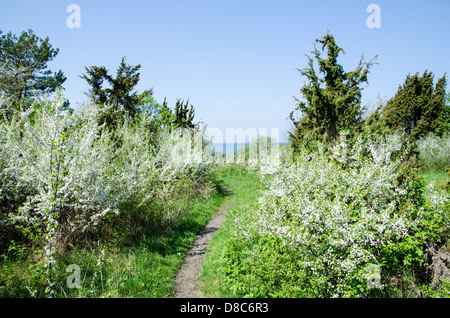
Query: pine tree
{"type": "Point", "coordinates": [419, 107]}
{"type": "Point", "coordinates": [23, 67]}
{"type": "Point", "coordinates": [333, 96]}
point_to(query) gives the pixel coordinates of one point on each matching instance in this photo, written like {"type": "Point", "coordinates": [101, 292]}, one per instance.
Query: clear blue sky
{"type": "Point", "coordinates": [234, 60]}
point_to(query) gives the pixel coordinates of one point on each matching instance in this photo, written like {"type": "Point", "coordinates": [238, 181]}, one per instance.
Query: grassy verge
{"type": "Point", "coordinates": [146, 268]}
{"type": "Point", "coordinates": [439, 177]}
{"type": "Point", "coordinates": [245, 190]}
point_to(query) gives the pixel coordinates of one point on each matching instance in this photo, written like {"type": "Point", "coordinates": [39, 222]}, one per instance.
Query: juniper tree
{"type": "Point", "coordinates": [167, 117]}
{"type": "Point", "coordinates": [332, 96]}
{"type": "Point", "coordinates": [119, 94]}
{"type": "Point", "coordinates": [419, 107]}
{"type": "Point", "coordinates": [23, 67]}
{"type": "Point", "coordinates": [184, 114]}
{"type": "Point", "coordinates": [180, 117]}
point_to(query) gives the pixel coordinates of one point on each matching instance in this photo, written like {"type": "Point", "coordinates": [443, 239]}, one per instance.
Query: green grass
{"type": "Point", "coordinates": [246, 189]}
{"type": "Point", "coordinates": [147, 268]}
{"type": "Point", "coordinates": [438, 177]}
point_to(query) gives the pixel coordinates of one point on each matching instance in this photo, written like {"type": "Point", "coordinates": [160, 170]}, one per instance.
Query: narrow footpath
{"type": "Point", "coordinates": [188, 278]}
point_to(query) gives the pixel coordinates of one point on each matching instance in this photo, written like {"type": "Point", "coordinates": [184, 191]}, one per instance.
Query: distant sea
{"type": "Point", "coordinates": [225, 148]}
{"type": "Point", "coordinates": [231, 148]}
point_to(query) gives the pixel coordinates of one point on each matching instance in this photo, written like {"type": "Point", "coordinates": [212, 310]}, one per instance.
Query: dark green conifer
{"type": "Point", "coordinates": [333, 96]}
{"type": "Point", "coordinates": [23, 67]}
{"type": "Point", "coordinates": [119, 92]}
{"type": "Point", "coordinates": [419, 107]}
{"type": "Point", "coordinates": [184, 116]}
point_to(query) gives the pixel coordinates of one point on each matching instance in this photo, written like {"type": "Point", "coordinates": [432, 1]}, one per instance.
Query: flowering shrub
{"type": "Point", "coordinates": [73, 180]}
{"type": "Point", "coordinates": [330, 222]}
{"type": "Point", "coordinates": [434, 151]}
{"type": "Point", "coordinates": [81, 173]}
{"type": "Point", "coordinates": [64, 159]}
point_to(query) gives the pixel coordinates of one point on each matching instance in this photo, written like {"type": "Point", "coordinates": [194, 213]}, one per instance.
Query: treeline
{"type": "Point", "coordinates": [24, 76]}
{"type": "Point", "coordinates": [332, 102]}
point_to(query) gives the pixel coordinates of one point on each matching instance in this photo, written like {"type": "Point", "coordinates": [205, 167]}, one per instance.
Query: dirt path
{"type": "Point", "coordinates": [188, 278]}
